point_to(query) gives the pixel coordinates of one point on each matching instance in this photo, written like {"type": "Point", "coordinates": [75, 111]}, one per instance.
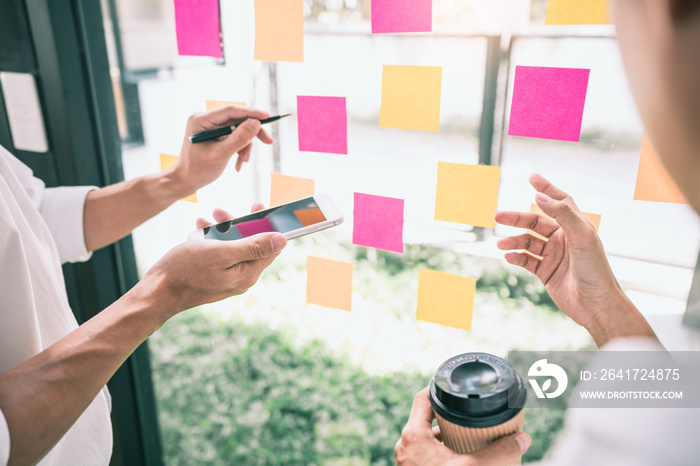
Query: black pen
{"type": "Point", "coordinates": [224, 130]}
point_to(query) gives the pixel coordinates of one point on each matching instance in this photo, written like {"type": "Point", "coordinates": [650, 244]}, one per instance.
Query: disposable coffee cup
{"type": "Point", "coordinates": [477, 398]}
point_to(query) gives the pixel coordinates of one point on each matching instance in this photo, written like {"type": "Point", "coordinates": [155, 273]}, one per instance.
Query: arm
{"type": "Point", "coordinates": [42, 397]}
{"type": "Point", "coordinates": [420, 444]}
{"type": "Point", "coordinates": [573, 266]}
{"type": "Point", "coordinates": [112, 212]}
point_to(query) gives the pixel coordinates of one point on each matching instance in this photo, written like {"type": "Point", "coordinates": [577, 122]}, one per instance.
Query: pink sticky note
{"type": "Point", "coordinates": [323, 124]}
{"type": "Point", "coordinates": [197, 27]}
{"type": "Point", "coordinates": [254, 227]}
{"type": "Point", "coordinates": [548, 102]}
{"type": "Point", "coordinates": [402, 16]}
{"type": "Point", "coordinates": [378, 222]}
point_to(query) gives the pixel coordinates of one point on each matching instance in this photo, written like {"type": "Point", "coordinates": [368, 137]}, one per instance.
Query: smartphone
{"type": "Point", "coordinates": [294, 219]}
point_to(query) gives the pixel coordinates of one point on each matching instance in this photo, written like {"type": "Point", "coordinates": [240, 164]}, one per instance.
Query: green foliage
{"type": "Point", "coordinates": [232, 393]}
{"type": "Point", "coordinates": [229, 393]}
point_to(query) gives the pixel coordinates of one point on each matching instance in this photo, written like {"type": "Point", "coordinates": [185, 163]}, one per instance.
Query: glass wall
{"type": "Point", "coordinates": [266, 378]}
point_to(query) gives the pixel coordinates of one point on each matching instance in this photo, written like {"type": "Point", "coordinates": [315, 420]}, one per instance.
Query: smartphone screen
{"type": "Point", "coordinates": [281, 219]}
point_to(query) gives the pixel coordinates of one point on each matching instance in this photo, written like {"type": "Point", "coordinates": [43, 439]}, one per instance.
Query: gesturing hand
{"type": "Point", "coordinates": [200, 164]}
{"type": "Point", "coordinates": [573, 266]}
{"type": "Point", "coordinates": [421, 445]}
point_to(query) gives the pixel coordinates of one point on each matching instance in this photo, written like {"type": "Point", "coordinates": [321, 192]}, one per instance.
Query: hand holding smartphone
{"type": "Point", "coordinates": [294, 219]}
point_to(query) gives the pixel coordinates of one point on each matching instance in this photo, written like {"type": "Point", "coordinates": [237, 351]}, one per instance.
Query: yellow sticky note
{"type": "Point", "coordinates": [653, 181]}
{"type": "Point", "coordinates": [445, 299]}
{"type": "Point", "coordinates": [279, 30]}
{"type": "Point", "coordinates": [212, 104]}
{"type": "Point", "coordinates": [577, 12]}
{"type": "Point", "coordinates": [467, 194]}
{"type": "Point", "coordinates": [329, 283]}
{"type": "Point", "coordinates": [167, 161]}
{"type": "Point", "coordinates": [285, 188]}
{"type": "Point", "coordinates": [593, 218]}
{"type": "Point", "coordinates": [411, 97]}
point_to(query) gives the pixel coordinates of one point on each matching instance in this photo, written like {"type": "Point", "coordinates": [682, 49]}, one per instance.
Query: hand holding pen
{"type": "Point", "coordinates": [226, 130]}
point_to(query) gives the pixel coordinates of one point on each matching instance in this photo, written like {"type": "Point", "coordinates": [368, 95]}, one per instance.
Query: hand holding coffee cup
{"type": "Point", "coordinates": [477, 398]}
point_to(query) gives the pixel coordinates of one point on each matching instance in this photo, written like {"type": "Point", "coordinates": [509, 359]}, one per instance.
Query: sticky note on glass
{"type": "Point", "coordinates": [593, 218]}
{"type": "Point", "coordinates": [279, 30]}
{"type": "Point", "coordinates": [285, 188]}
{"type": "Point", "coordinates": [329, 283]}
{"type": "Point", "coordinates": [467, 194]}
{"type": "Point", "coordinates": [402, 16]}
{"type": "Point", "coordinates": [167, 161]}
{"type": "Point", "coordinates": [378, 222]}
{"type": "Point", "coordinates": [323, 124]}
{"type": "Point", "coordinates": [653, 181]}
{"type": "Point", "coordinates": [212, 104]}
{"type": "Point", "coordinates": [577, 12]}
{"type": "Point", "coordinates": [411, 97]}
{"type": "Point", "coordinates": [548, 102]}
{"type": "Point", "coordinates": [445, 299]}
{"type": "Point", "coordinates": [197, 28]}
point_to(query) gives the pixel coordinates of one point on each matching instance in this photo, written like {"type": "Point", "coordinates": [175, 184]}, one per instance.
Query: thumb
{"type": "Point", "coordinates": [254, 247]}
{"type": "Point", "coordinates": [567, 216]}
{"type": "Point", "coordinates": [506, 450]}
{"type": "Point", "coordinates": [242, 135]}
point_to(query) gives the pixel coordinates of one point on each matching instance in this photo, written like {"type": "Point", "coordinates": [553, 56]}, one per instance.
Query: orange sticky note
{"type": "Point", "coordinates": [212, 104]}
{"type": "Point", "coordinates": [653, 181]}
{"type": "Point", "coordinates": [411, 97]}
{"type": "Point", "coordinates": [577, 12]}
{"type": "Point", "coordinates": [329, 283]}
{"type": "Point", "coordinates": [445, 299]}
{"type": "Point", "coordinates": [167, 161]}
{"type": "Point", "coordinates": [279, 30]}
{"type": "Point", "coordinates": [467, 194]}
{"type": "Point", "coordinates": [285, 188]}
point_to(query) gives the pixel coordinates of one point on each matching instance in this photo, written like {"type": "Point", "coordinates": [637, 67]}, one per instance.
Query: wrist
{"type": "Point", "coordinates": [175, 185]}
{"type": "Point", "coordinates": [618, 318]}
{"type": "Point", "coordinates": [158, 296]}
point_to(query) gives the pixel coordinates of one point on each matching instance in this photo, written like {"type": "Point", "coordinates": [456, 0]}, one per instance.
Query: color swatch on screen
{"type": "Point", "coordinates": [285, 188]}
{"type": "Point", "coordinates": [323, 124]}
{"type": "Point", "coordinates": [378, 222]}
{"type": "Point", "coordinates": [402, 16]}
{"type": "Point", "coordinates": [329, 283]}
{"type": "Point", "coordinates": [445, 299]}
{"type": "Point", "coordinates": [653, 181]}
{"type": "Point", "coordinates": [279, 30]}
{"type": "Point", "coordinates": [212, 104]}
{"type": "Point", "coordinates": [467, 194]}
{"type": "Point", "coordinates": [197, 28]}
{"type": "Point", "coordinates": [548, 102]}
{"type": "Point", "coordinates": [577, 12]}
{"type": "Point", "coordinates": [411, 97]}
{"type": "Point", "coordinates": [167, 161]}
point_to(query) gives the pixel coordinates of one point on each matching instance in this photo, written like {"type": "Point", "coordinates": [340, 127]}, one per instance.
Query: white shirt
{"type": "Point", "coordinates": [628, 436]}
{"type": "Point", "coordinates": [39, 229]}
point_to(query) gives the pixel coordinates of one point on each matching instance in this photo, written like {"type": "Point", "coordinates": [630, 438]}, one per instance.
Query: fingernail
{"type": "Point", "coordinates": [252, 124]}
{"type": "Point", "coordinates": [278, 242]}
{"type": "Point", "coordinates": [542, 197]}
{"type": "Point", "coordinates": [523, 440]}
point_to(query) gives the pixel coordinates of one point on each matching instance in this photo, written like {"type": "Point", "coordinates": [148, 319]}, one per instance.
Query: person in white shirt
{"type": "Point", "coordinates": [660, 44]}
{"type": "Point", "coordinates": [54, 409]}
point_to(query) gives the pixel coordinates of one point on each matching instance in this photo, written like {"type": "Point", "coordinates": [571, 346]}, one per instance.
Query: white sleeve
{"type": "Point", "coordinates": [62, 209]}
{"type": "Point", "coordinates": [4, 441]}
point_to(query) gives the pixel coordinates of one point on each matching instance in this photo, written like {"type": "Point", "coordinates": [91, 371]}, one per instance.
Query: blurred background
{"type": "Point", "coordinates": [265, 378]}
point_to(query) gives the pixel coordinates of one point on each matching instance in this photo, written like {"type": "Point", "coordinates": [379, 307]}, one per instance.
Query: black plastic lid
{"type": "Point", "coordinates": [476, 390]}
